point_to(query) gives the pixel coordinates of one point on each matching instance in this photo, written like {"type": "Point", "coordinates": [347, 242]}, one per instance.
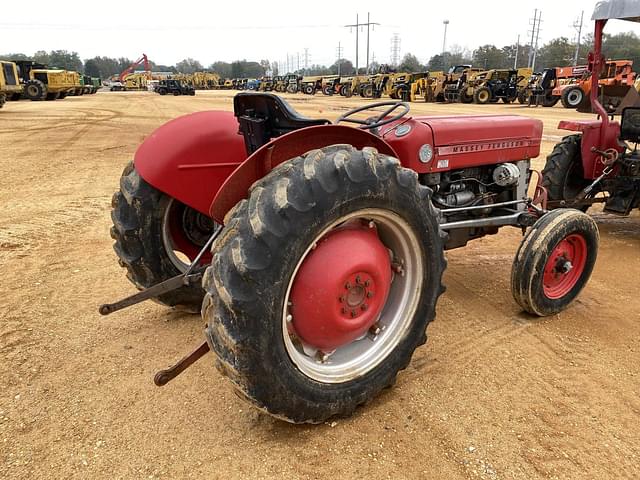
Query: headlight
{"type": "Point", "coordinates": [425, 154]}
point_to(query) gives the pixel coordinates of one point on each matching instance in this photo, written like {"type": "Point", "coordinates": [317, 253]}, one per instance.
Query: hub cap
{"type": "Point", "coordinates": [352, 296]}
{"type": "Point", "coordinates": [565, 266]}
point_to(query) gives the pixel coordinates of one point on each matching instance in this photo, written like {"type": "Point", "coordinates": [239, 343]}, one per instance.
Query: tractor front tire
{"type": "Point", "coordinates": [35, 90]}
{"type": "Point", "coordinates": [562, 174]}
{"type": "Point", "coordinates": [255, 319]}
{"type": "Point", "coordinates": [554, 261]}
{"type": "Point", "coordinates": [572, 97]}
{"type": "Point", "coordinates": [309, 90]}
{"type": "Point", "coordinates": [141, 225]}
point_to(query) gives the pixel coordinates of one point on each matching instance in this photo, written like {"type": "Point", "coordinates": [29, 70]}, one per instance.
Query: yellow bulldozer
{"type": "Point", "coordinates": [10, 87]}
{"type": "Point", "coordinates": [42, 83]}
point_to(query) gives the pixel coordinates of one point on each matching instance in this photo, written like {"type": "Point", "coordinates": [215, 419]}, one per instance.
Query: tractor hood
{"type": "Point", "coordinates": [468, 141]}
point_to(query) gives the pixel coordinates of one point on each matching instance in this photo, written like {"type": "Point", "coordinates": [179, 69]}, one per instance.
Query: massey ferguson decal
{"type": "Point", "coordinates": [485, 147]}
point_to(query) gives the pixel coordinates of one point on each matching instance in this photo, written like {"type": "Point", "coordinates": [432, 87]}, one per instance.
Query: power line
{"type": "Point", "coordinates": [357, 26]}
{"type": "Point", "coordinates": [339, 55]}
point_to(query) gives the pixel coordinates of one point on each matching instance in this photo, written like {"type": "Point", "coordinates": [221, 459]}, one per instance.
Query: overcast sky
{"type": "Point", "coordinates": [228, 30]}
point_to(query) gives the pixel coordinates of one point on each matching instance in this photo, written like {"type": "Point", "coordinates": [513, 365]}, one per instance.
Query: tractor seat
{"type": "Point", "coordinates": [263, 116]}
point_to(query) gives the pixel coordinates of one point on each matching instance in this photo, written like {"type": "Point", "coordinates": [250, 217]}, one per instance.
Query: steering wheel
{"type": "Point", "coordinates": [375, 122]}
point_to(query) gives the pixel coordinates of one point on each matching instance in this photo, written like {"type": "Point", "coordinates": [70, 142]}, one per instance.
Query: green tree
{"type": "Point", "coordinates": [489, 57]}
{"type": "Point", "coordinates": [189, 65]}
{"type": "Point", "coordinates": [410, 63]}
{"type": "Point", "coordinates": [558, 52]}
{"type": "Point", "coordinates": [346, 67]}
{"type": "Point", "coordinates": [221, 68]}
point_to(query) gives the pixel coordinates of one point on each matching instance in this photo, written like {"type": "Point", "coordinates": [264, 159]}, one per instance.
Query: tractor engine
{"type": "Point", "coordinates": [459, 193]}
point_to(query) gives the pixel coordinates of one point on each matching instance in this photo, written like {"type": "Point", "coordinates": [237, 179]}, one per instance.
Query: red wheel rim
{"type": "Point", "coordinates": [565, 266]}
{"type": "Point", "coordinates": [341, 288]}
{"type": "Point", "coordinates": [178, 238]}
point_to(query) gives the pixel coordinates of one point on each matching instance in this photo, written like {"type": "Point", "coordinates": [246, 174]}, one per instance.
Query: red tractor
{"type": "Point", "coordinates": [599, 163]}
{"type": "Point", "coordinates": [315, 251]}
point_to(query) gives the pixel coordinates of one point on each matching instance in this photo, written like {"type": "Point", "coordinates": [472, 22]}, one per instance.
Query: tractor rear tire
{"type": "Point", "coordinates": [35, 90]}
{"type": "Point", "coordinates": [139, 214]}
{"type": "Point", "coordinates": [256, 263]}
{"type": "Point", "coordinates": [572, 97]}
{"type": "Point", "coordinates": [554, 261]}
{"type": "Point", "coordinates": [562, 174]}
{"type": "Point", "coordinates": [482, 96]}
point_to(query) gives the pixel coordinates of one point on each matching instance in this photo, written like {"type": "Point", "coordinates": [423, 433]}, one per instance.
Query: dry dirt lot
{"type": "Point", "coordinates": [493, 394]}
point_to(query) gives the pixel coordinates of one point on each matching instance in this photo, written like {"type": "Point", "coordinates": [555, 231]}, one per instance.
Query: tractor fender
{"type": "Point", "coordinates": [289, 146]}
{"type": "Point", "coordinates": [190, 157]}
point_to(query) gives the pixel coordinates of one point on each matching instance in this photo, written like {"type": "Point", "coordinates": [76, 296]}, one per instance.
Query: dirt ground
{"type": "Point", "coordinates": [493, 394]}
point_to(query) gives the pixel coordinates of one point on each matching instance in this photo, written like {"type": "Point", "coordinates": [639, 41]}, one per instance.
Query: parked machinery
{"type": "Point", "coordinates": [401, 86]}
{"type": "Point", "coordinates": [310, 85]}
{"type": "Point", "coordinates": [327, 271]}
{"type": "Point", "coordinates": [173, 86]}
{"type": "Point", "coordinates": [600, 162]}
{"type": "Point", "coordinates": [329, 84]}
{"type": "Point", "coordinates": [136, 81]}
{"type": "Point", "coordinates": [10, 87]}
{"type": "Point", "coordinates": [455, 83]}
{"type": "Point", "coordinates": [497, 84]}
{"type": "Point", "coordinates": [429, 87]}
{"type": "Point", "coordinates": [615, 79]}
{"type": "Point", "coordinates": [42, 83]}
{"type": "Point", "coordinates": [75, 81]}
{"type": "Point", "coordinates": [547, 87]}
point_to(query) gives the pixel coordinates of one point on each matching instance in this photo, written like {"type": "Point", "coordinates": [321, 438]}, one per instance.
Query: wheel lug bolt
{"type": "Point", "coordinates": [363, 307]}
{"type": "Point", "coordinates": [347, 286]}
{"type": "Point", "coordinates": [367, 283]}
{"type": "Point", "coordinates": [372, 224]}
{"type": "Point", "coordinates": [342, 299]}
{"type": "Point", "coordinates": [358, 279]}
{"type": "Point", "coordinates": [369, 294]}
{"type": "Point", "coordinates": [353, 313]}
{"type": "Point", "coordinates": [343, 310]}
{"type": "Point", "coordinates": [289, 318]}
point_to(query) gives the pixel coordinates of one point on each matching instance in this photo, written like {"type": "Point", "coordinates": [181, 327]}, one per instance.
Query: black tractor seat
{"type": "Point", "coordinates": [263, 116]}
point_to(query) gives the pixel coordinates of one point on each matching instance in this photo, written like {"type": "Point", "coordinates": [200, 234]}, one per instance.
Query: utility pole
{"type": "Point", "coordinates": [535, 35]}
{"type": "Point", "coordinates": [515, 62]}
{"type": "Point", "coordinates": [395, 49]}
{"type": "Point", "coordinates": [535, 49]}
{"type": "Point", "coordinates": [339, 55]}
{"type": "Point", "coordinates": [444, 45]}
{"type": "Point", "coordinates": [306, 60]}
{"type": "Point", "coordinates": [357, 26]}
{"type": "Point", "coordinates": [578, 26]}
{"type": "Point", "coordinates": [298, 63]}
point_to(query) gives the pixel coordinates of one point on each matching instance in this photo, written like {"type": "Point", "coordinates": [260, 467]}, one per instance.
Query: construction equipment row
{"type": "Point", "coordinates": [462, 83]}
{"type": "Point", "coordinates": [35, 81]}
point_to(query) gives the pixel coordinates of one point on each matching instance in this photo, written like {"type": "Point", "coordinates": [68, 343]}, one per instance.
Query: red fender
{"type": "Point", "coordinates": [190, 157]}
{"type": "Point", "coordinates": [285, 148]}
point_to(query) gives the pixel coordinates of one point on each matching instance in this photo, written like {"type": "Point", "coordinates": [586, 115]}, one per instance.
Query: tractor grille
{"type": "Point", "coordinates": [42, 77]}
{"type": "Point", "coordinates": [9, 74]}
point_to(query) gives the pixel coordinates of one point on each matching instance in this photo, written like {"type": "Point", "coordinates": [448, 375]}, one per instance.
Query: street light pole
{"type": "Point", "coordinates": [444, 45]}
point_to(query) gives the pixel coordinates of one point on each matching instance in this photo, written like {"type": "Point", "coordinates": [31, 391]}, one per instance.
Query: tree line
{"type": "Point", "coordinates": [557, 52]}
